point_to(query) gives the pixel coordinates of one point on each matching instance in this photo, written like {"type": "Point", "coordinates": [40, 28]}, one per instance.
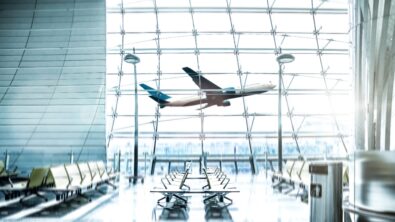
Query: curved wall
{"type": "Point", "coordinates": [52, 81]}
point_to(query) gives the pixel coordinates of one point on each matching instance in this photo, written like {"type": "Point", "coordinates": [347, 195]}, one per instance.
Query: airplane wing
{"type": "Point", "coordinates": [206, 85]}
{"type": "Point", "coordinates": [203, 83]}
{"type": "Point", "coordinates": [206, 106]}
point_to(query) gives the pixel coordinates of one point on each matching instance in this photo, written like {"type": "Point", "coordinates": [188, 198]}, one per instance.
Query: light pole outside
{"type": "Point", "coordinates": [281, 59]}
{"type": "Point", "coordinates": [133, 59]}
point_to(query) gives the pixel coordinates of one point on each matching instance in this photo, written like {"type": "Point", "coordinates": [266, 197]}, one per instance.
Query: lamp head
{"type": "Point", "coordinates": [285, 58]}
{"type": "Point", "coordinates": [130, 58]}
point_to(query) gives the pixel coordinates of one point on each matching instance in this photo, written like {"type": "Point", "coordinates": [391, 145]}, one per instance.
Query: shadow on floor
{"type": "Point", "coordinates": [176, 210]}
{"type": "Point", "coordinates": [217, 211]}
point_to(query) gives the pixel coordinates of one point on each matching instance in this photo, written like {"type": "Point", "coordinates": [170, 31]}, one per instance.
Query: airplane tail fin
{"type": "Point", "coordinates": [190, 72]}
{"type": "Point", "coordinates": [156, 95]}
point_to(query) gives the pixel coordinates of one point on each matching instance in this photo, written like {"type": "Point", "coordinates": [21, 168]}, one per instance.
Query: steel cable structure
{"type": "Point", "coordinates": [231, 43]}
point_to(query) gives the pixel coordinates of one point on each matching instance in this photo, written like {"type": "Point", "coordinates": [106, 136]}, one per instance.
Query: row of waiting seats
{"type": "Point", "coordinates": [215, 189]}
{"type": "Point", "coordinates": [296, 175]}
{"type": "Point", "coordinates": [217, 186]}
{"type": "Point", "coordinates": [174, 186]}
{"type": "Point", "coordinates": [66, 180]}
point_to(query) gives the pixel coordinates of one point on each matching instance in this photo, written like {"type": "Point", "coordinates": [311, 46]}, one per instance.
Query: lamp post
{"type": "Point", "coordinates": [133, 59]}
{"type": "Point", "coordinates": [281, 59]}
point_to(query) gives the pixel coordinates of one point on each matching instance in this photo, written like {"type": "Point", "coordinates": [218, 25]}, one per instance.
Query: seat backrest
{"type": "Point", "coordinates": [94, 171]}
{"type": "Point", "coordinates": [57, 177]}
{"type": "Point", "coordinates": [102, 170]}
{"type": "Point", "coordinates": [184, 178]}
{"type": "Point", "coordinates": [207, 178]}
{"type": "Point", "coordinates": [288, 167]}
{"type": "Point", "coordinates": [2, 168]}
{"type": "Point", "coordinates": [297, 168]}
{"type": "Point", "coordinates": [85, 172]}
{"type": "Point", "coordinates": [345, 174]}
{"type": "Point", "coordinates": [74, 174]}
{"type": "Point", "coordinates": [37, 177]}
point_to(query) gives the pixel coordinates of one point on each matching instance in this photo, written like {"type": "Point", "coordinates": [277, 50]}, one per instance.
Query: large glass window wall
{"type": "Point", "coordinates": [233, 43]}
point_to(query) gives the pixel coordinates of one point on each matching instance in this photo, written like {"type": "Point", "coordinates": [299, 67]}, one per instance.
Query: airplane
{"type": "Point", "coordinates": [214, 95]}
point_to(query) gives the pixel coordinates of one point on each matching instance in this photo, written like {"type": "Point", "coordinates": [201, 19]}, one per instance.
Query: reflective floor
{"type": "Point", "coordinates": [256, 202]}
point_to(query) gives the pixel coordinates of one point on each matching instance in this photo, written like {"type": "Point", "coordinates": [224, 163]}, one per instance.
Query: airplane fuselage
{"type": "Point", "coordinates": [218, 97]}
{"type": "Point", "coordinates": [211, 94]}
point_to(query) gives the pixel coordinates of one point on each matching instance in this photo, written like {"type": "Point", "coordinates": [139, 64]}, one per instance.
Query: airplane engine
{"type": "Point", "coordinates": [230, 90]}
{"type": "Point", "coordinates": [225, 103]}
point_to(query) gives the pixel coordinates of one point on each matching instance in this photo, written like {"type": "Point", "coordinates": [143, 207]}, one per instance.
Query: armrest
{"type": "Point", "coordinates": [224, 179]}
{"type": "Point", "coordinates": [220, 175]}
{"type": "Point", "coordinates": [68, 185]}
{"type": "Point", "coordinates": [226, 184]}
{"type": "Point", "coordinates": [83, 178]}
{"type": "Point", "coordinates": [11, 183]}
{"type": "Point", "coordinates": [223, 175]}
{"type": "Point", "coordinates": [169, 176]}
{"type": "Point", "coordinates": [167, 179]}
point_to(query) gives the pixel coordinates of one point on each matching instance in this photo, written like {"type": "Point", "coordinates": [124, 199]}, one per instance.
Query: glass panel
{"type": "Point", "coordinates": [134, 22]}
{"type": "Point", "coordinates": [215, 41]}
{"type": "Point", "coordinates": [136, 3]}
{"type": "Point", "coordinates": [298, 23]}
{"type": "Point", "coordinates": [208, 3]}
{"type": "Point", "coordinates": [212, 22]}
{"type": "Point", "coordinates": [246, 22]}
{"type": "Point", "coordinates": [254, 41]}
{"type": "Point", "coordinates": [175, 22]}
{"type": "Point", "coordinates": [219, 55]}
{"type": "Point", "coordinates": [249, 3]}
{"type": "Point", "coordinates": [257, 63]}
{"type": "Point", "coordinates": [178, 146]}
{"type": "Point", "coordinates": [177, 41]}
{"type": "Point", "coordinates": [173, 3]}
{"type": "Point", "coordinates": [326, 24]}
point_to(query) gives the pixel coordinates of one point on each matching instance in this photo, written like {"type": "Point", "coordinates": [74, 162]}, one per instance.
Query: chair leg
{"type": "Point", "coordinates": [181, 198]}
{"type": "Point", "coordinates": [40, 195]}
{"type": "Point", "coordinates": [160, 199]}
{"type": "Point", "coordinates": [84, 196]}
{"type": "Point", "coordinates": [230, 201]}
{"type": "Point", "coordinates": [209, 198]}
{"type": "Point", "coordinates": [111, 184]}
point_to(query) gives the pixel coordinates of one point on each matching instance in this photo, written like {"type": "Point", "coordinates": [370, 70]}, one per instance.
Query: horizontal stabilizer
{"type": "Point", "coordinates": [158, 100]}
{"type": "Point", "coordinates": [155, 94]}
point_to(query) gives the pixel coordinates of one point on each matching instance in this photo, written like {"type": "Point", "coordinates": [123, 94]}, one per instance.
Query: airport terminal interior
{"type": "Point", "coordinates": [197, 110]}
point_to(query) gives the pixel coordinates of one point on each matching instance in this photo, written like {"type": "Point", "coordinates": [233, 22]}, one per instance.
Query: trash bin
{"type": "Point", "coordinates": [325, 196]}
